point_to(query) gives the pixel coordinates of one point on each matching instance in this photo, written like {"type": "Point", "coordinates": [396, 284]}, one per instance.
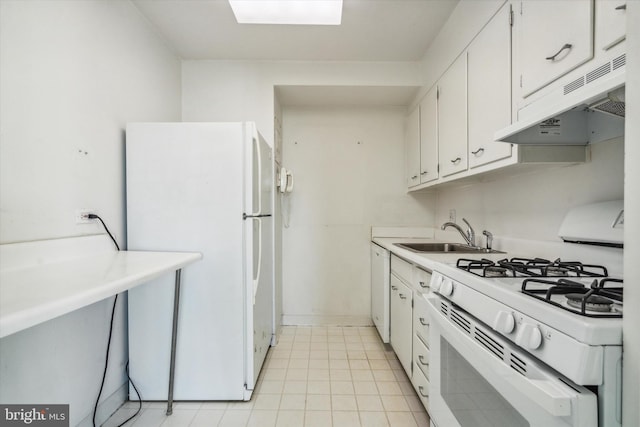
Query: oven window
{"type": "Point", "coordinates": [471, 399]}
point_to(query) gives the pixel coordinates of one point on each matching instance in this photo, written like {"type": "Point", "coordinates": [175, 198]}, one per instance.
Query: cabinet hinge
{"type": "Point", "coordinates": [437, 93]}
{"type": "Point", "coordinates": [510, 16]}
{"type": "Point", "coordinates": [520, 80]}
{"type": "Point", "coordinates": [521, 8]}
{"type": "Point", "coordinates": [438, 168]}
{"type": "Point", "coordinates": [411, 303]}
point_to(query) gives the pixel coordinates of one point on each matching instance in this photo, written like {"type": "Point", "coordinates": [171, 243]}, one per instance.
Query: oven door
{"type": "Point", "coordinates": [480, 379]}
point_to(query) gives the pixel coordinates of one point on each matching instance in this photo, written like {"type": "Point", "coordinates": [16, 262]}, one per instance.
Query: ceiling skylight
{"type": "Point", "coordinates": [288, 12]}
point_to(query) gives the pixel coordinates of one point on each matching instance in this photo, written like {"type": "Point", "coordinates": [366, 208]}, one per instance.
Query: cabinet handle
{"type": "Point", "coordinates": [394, 288]}
{"type": "Point", "coordinates": [622, 7]}
{"type": "Point", "coordinates": [420, 388]}
{"type": "Point", "coordinates": [456, 160]}
{"type": "Point", "coordinates": [423, 284]}
{"type": "Point", "coordinates": [423, 322]}
{"type": "Point", "coordinates": [424, 173]}
{"type": "Point", "coordinates": [414, 177]}
{"type": "Point", "coordinates": [478, 151]}
{"type": "Point", "coordinates": [553, 58]}
{"type": "Point", "coordinates": [421, 359]}
{"type": "Point", "coordinates": [402, 296]}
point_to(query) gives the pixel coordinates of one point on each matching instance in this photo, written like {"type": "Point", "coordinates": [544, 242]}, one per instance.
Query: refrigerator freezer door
{"type": "Point", "coordinates": [259, 179]}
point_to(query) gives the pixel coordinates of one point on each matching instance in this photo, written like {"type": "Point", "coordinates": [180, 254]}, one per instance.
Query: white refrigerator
{"type": "Point", "coordinates": [205, 187]}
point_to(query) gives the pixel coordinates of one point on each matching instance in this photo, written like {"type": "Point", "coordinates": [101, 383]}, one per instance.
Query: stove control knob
{"type": "Point", "coordinates": [436, 282]}
{"type": "Point", "coordinates": [529, 337]}
{"type": "Point", "coordinates": [504, 322]}
{"type": "Point", "coordinates": [446, 288]}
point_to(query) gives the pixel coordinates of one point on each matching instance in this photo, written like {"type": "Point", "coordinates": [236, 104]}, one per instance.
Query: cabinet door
{"type": "Point", "coordinates": [555, 37]}
{"type": "Point", "coordinates": [401, 323]}
{"type": "Point", "coordinates": [380, 290]}
{"type": "Point", "coordinates": [489, 89]}
{"type": "Point", "coordinates": [412, 147]}
{"type": "Point", "coordinates": [452, 118]}
{"type": "Point", "coordinates": [611, 23]}
{"type": "Point", "coordinates": [429, 136]}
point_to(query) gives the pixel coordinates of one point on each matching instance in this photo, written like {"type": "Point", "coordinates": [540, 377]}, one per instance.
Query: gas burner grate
{"type": "Point", "coordinates": [530, 267]}
{"type": "Point", "coordinates": [596, 300]}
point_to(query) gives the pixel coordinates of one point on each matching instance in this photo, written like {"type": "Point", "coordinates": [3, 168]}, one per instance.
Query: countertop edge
{"type": "Point", "coordinates": [162, 263]}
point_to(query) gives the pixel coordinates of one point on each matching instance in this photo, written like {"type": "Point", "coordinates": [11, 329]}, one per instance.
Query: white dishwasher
{"type": "Point", "coordinates": [380, 276]}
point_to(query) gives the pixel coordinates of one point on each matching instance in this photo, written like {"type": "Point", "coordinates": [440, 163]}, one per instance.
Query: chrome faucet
{"type": "Point", "coordinates": [489, 239]}
{"type": "Point", "coordinates": [469, 236]}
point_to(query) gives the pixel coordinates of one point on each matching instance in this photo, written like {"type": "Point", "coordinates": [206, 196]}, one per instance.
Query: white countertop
{"type": "Point", "coordinates": [35, 293]}
{"type": "Point", "coordinates": [430, 260]}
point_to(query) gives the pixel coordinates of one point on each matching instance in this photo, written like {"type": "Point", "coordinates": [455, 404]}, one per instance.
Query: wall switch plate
{"type": "Point", "coordinates": [452, 215]}
{"type": "Point", "coordinates": [82, 216]}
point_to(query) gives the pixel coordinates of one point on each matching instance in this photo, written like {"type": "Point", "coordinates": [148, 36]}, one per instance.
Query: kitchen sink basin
{"type": "Point", "coordinates": [445, 247]}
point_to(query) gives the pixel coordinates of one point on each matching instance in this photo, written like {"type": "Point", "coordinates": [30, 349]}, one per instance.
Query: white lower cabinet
{"type": "Point", "coordinates": [420, 319]}
{"type": "Point", "coordinates": [401, 322]}
{"type": "Point", "coordinates": [421, 384]}
{"type": "Point", "coordinates": [420, 355]}
{"type": "Point", "coordinates": [409, 322]}
{"type": "Point", "coordinates": [380, 290]}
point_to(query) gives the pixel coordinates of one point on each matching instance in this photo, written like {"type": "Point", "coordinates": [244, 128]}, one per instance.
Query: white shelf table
{"type": "Point", "coordinates": [42, 280]}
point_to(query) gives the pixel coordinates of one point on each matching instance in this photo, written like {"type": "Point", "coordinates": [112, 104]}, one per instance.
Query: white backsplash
{"type": "Point", "coordinates": [524, 212]}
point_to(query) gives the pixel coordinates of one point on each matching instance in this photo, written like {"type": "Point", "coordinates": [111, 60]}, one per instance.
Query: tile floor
{"type": "Point", "coordinates": [315, 376]}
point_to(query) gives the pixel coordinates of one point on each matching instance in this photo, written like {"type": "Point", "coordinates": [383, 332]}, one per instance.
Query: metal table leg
{"type": "Point", "coordinates": [174, 338]}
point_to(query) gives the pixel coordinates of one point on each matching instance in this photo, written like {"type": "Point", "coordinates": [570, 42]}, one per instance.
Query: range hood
{"type": "Point", "coordinates": [599, 224]}
{"type": "Point", "coordinates": [588, 109]}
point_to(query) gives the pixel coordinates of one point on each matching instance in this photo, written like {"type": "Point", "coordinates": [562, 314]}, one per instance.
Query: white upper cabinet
{"type": "Point", "coordinates": [611, 23]}
{"type": "Point", "coordinates": [429, 136]}
{"type": "Point", "coordinates": [412, 147]}
{"type": "Point", "coordinates": [452, 118]}
{"type": "Point", "coordinates": [555, 37]}
{"type": "Point", "coordinates": [489, 89]}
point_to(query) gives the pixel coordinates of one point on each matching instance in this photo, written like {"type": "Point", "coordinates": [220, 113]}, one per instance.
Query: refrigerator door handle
{"type": "Point", "coordinates": [256, 279]}
{"type": "Point", "coordinates": [256, 142]}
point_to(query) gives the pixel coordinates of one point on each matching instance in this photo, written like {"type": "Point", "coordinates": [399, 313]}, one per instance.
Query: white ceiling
{"type": "Point", "coordinates": [371, 30]}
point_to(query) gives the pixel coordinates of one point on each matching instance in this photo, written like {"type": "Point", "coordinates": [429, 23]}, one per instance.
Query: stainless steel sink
{"type": "Point", "coordinates": [444, 247]}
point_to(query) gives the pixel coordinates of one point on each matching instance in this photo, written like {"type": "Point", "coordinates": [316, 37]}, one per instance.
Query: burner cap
{"type": "Point", "coordinates": [594, 302]}
{"type": "Point", "coordinates": [495, 271]}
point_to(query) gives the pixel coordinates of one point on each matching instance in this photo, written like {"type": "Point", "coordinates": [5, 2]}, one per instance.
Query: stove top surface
{"type": "Point", "coordinates": [600, 323]}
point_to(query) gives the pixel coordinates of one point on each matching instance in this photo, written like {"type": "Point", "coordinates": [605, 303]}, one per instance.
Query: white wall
{"type": "Point", "coordinates": [631, 327]}
{"type": "Point", "coordinates": [73, 74]}
{"type": "Point", "coordinates": [348, 165]}
{"type": "Point", "coordinates": [243, 90]}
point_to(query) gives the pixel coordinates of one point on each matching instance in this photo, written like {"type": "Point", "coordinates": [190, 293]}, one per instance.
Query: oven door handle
{"type": "Point", "coordinates": [545, 392]}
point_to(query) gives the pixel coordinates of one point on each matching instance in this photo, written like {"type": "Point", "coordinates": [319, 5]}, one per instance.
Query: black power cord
{"type": "Point", "coordinates": [94, 216]}
{"type": "Point", "coordinates": [106, 362]}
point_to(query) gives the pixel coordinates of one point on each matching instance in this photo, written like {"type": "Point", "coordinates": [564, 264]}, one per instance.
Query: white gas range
{"type": "Point", "coordinates": [515, 351]}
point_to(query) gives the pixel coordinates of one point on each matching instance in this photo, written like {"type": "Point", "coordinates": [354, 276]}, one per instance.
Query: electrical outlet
{"type": "Point", "coordinates": [452, 215]}
{"type": "Point", "coordinates": [82, 216]}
